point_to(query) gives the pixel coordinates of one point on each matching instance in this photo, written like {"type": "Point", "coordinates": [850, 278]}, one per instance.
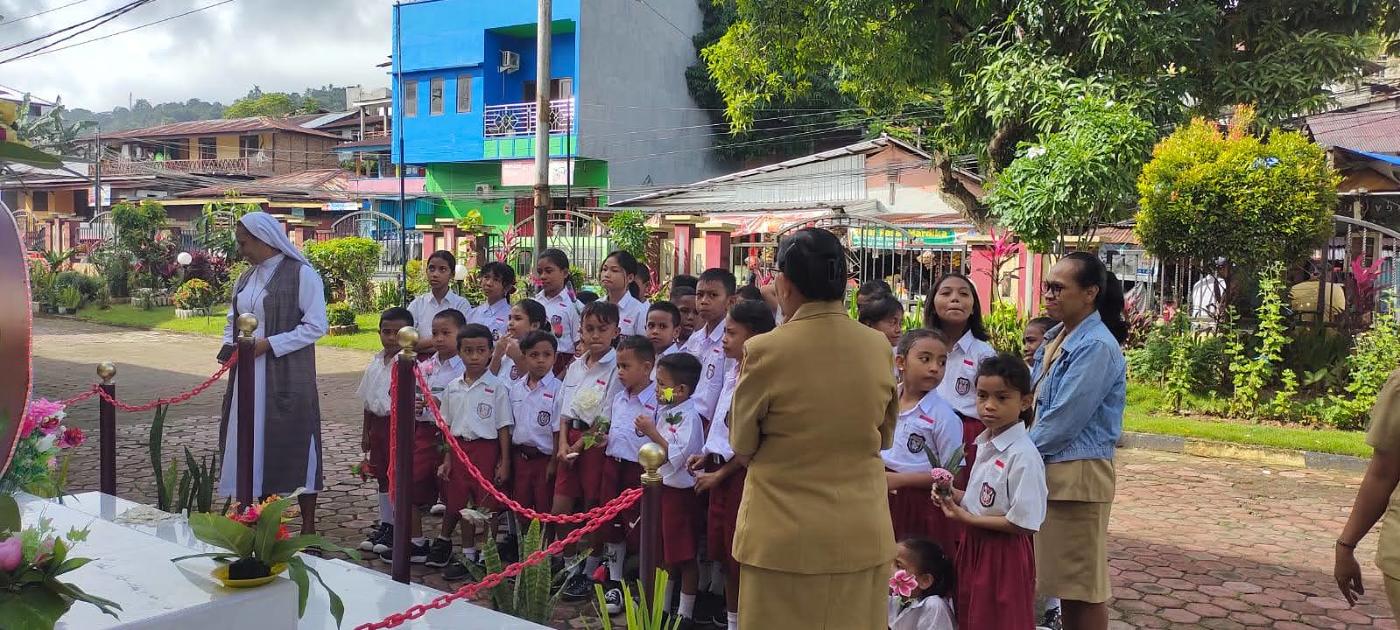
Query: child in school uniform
{"type": "Point", "coordinates": [557, 297]}
{"type": "Point", "coordinates": [618, 276]}
{"type": "Point", "coordinates": [663, 329]}
{"type": "Point", "coordinates": [439, 370]}
{"type": "Point", "coordinates": [930, 606]}
{"type": "Point", "coordinates": [886, 314]}
{"type": "Point", "coordinates": [926, 424]}
{"type": "Point", "coordinates": [621, 471]}
{"type": "Point", "coordinates": [440, 269]}
{"type": "Point", "coordinates": [679, 429]}
{"type": "Point", "coordinates": [479, 410]}
{"type": "Point", "coordinates": [714, 294]}
{"type": "Point", "coordinates": [717, 472]}
{"type": "Point", "coordinates": [525, 316]}
{"type": "Point", "coordinates": [585, 396]}
{"type": "Point", "coordinates": [683, 296]}
{"type": "Point", "coordinates": [497, 283]}
{"type": "Point", "coordinates": [1003, 506]}
{"type": "Point", "coordinates": [374, 435]}
{"type": "Point", "coordinates": [534, 402]}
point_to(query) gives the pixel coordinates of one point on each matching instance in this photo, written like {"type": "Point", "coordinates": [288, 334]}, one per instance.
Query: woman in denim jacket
{"type": "Point", "coordinates": [1080, 391]}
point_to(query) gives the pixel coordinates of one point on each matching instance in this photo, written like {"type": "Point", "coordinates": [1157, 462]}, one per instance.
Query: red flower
{"type": "Point", "coordinates": [282, 533]}
{"type": "Point", "coordinates": [49, 425]}
{"type": "Point", "coordinates": [249, 516]}
{"type": "Point", "coordinates": [72, 438]}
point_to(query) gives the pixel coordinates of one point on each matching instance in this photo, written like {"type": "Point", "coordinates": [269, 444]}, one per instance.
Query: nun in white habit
{"type": "Point", "coordinates": [286, 295]}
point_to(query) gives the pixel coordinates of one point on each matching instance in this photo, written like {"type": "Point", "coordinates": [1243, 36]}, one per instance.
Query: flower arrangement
{"type": "Point", "coordinates": [587, 403]}
{"type": "Point", "coordinates": [40, 462]}
{"type": "Point", "coordinates": [31, 559]}
{"type": "Point", "coordinates": [944, 472]}
{"type": "Point", "coordinates": [256, 539]}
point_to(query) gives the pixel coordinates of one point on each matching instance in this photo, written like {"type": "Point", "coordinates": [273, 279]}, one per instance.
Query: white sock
{"type": "Point", "coordinates": [686, 609]}
{"type": "Point", "coordinates": [420, 541]}
{"type": "Point", "coordinates": [617, 554]}
{"type": "Point", "coordinates": [1052, 602]}
{"type": "Point", "coordinates": [733, 619]}
{"type": "Point", "coordinates": [590, 566]}
{"type": "Point", "coordinates": [386, 509]}
{"type": "Point", "coordinates": [470, 553]}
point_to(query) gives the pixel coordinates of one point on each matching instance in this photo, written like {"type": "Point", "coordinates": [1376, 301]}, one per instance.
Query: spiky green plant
{"type": "Point", "coordinates": [530, 595]}
{"type": "Point", "coordinates": [648, 613]}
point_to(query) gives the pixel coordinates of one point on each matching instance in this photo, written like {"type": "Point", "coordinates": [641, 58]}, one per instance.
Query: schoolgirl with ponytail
{"type": "Point", "coordinates": [557, 297]}
{"type": "Point", "coordinates": [618, 275]}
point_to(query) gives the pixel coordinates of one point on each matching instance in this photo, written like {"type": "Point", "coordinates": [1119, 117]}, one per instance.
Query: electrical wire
{"type": "Point", "coordinates": [101, 19]}
{"type": "Point", "coordinates": [667, 20]}
{"type": "Point", "coordinates": [121, 32]}
{"type": "Point", "coordinates": [45, 11]}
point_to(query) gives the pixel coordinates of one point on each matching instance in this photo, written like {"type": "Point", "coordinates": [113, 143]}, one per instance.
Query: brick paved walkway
{"type": "Point", "coordinates": [1194, 542]}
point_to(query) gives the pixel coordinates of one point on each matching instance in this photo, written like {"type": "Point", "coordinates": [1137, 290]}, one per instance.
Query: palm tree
{"type": "Point", "coordinates": [48, 132]}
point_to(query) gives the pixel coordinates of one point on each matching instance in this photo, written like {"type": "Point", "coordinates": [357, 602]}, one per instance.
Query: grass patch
{"type": "Point", "coordinates": [163, 318]}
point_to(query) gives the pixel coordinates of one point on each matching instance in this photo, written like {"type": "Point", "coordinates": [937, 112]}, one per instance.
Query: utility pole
{"type": "Point", "coordinates": [397, 131]}
{"type": "Point", "coordinates": [97, 174]}
{"type": "Point", "coordinates": [543, 34]}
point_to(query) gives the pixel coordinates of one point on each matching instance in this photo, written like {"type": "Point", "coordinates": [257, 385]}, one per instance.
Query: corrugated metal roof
{"type": "Point", "coordinates": [326, 184]}
{"type": "Point", "coordinates": [11, 94]}
{"type": "Point", "coordinates": [1374, 131]}
{"type": "Point", "coordinates": [208, 127]}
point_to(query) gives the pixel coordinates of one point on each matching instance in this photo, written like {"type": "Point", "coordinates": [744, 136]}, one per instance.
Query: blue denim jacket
{"type": "Point", "coordinates": [1079, 406]}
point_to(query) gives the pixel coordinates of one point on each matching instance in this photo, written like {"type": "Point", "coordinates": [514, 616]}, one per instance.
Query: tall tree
{"type": "Point", "coordinates": [50, 132]}
{"type": "Point", "coordinates": [983, 76]}
{"type": "Point", "coordinates": [271, 104]}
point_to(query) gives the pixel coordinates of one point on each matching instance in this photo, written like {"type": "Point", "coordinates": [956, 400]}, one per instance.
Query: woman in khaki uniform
{"type": "Point", "coordinates": [814, 406]}
{"type": "Point", "coordinates": [1376, 497]}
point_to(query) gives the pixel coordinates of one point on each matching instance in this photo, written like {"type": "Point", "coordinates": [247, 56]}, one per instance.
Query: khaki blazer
{"type": "Point", "coordinates": [814, 406]}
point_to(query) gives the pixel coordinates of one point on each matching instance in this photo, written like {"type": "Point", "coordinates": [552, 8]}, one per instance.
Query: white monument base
{"type": "Point", "coordinates": [132, 567]}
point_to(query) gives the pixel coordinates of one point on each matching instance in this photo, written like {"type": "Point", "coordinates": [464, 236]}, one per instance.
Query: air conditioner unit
{"type": "Point", "coordinates": [510, 61]}
{"type": "Point", "coordinates": [484, 189]}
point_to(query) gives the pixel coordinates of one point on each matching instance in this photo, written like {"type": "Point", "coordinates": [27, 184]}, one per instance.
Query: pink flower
{"type": "Point", "coordinates": [72, 438]}
{"type": "Point", "coordinates": [38, 411]}
{"type": "Point", "coordinates": [601, 574]}
{"type": "Point", "coordinates": [11, 554]}
{"type": "Point", "coordinates": [942, 477]}
{"type": "Point", "coordinates": [50, 425]}
{"type": "Point", "coordinates": [903, 584]}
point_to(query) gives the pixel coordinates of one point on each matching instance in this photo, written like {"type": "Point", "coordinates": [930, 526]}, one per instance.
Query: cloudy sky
{"type": "Point", "coordinates": [214, 54]}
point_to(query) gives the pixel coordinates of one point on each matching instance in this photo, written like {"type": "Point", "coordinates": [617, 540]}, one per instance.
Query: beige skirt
{"type": "Point", "coordinates": [776, 600]}
{"type": "Point", "coordinates": [1071, 552]}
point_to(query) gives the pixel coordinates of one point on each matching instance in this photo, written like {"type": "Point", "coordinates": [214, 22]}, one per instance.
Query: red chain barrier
{"type": "Point", "coordinates": [173, 400]}
{"type": "Point", "coordinates": [469, 591]}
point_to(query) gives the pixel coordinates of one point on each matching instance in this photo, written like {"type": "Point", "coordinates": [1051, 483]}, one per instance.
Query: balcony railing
{"type": "Point", "coordinates": [225, 166]}
{"type": "Point", "coordinates": [519, 119]}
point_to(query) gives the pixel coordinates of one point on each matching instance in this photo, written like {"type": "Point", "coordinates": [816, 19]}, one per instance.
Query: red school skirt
{"type": "Point", "coordinates": [427, 455]}
{"type": "Point", "coordinates": [379, 448]}
{"type": "Point", "coordinates": [461, 487]}
{"type": "Point", "coordinates": [722, 516]}
{"type": "Point", "coordinates": [530, 484]}
{"type": "Point", "coordinates": [996, 580]}
{"type": "Point", "coordinates": [971, 428]}
{"type": "Point", "coordinates": [915, 516]}
{"type": "Point", "coordinates": [581, 479]}
{"type": "Point", "coordinates": [680, 525]}
{"type": "Point", "coordinates": [620, 475]}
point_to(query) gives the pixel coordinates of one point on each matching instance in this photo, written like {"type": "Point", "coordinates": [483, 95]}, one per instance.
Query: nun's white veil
{"type": "Point", "coordinates": [266, 229]}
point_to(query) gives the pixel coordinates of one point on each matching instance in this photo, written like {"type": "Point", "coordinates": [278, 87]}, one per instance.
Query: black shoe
{"type": "Point", "coordinates": [386, 541]}
{"type": "Point", "coordinates": [577, 588]}
{"type": "Point", "coordinates": [509, 550]}
{"type": "Point", "coordinates": [439, 554]}
{"type": "Point", "coordinates": [612, 596]}
{"type": "Point", "coordinates": [457, 570]}
{"type": "Point", "coordinates": [1051, 619]}
{"type": "Point", "coordinates": [417, 553]}
{"type": "Point", "coordinates": [376, 537]}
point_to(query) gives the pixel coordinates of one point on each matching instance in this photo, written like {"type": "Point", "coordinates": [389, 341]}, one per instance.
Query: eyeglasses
{"type": "Point", "coordinates": [1053, 288]}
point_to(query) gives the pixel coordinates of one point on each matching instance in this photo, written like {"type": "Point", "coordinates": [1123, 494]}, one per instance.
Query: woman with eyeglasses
{"type": "Point", "coordinates": [1080, 385]}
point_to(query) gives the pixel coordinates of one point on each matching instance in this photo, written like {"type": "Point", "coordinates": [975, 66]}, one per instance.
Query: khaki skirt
{"type": "Point", "coordinates": [1071, 548]}
{"type": "Point", "coordinates": [777, 600]}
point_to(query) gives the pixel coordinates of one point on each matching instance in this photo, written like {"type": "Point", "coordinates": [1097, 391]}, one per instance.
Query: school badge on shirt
{"type": "Point", "coordinates": [483, 410]}
{"type": "Point", "coordinates": [542, 419]}
{"type": "Point", "coordinates": [988, 495]}
{"type": "Point", "coordinates": [964, 386]}
{"type": "Point", "coordinates": [915, 443]}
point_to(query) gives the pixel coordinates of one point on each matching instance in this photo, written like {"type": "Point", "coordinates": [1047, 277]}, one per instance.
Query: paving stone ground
{"type": "Point", "coordinates": [1194, 542]}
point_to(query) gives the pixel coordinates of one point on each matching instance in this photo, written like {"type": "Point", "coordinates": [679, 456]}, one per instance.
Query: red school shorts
{"type": "Point", "coordinates": [461, 487]}
{"type": "Point", "coordinates": [379, 448]}
{"type": "Point", "coordinates": [620, 475]}
{"type": "Point", "coordinates": [581, 479]}
{"type": "Point", "coordinates": [680, 525]}
{"type": "Point", "coordinates": [427, 455]}
{"type": "Point", "coordinates": [722, 516]}
{"type": "Point", "coordinates": [530, 484]}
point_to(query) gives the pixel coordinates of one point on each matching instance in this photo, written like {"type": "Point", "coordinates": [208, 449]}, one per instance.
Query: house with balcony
{"type": "Point", "coordinates": [620, 115]}
{"type": "Point", "coordinates": [243, 148]}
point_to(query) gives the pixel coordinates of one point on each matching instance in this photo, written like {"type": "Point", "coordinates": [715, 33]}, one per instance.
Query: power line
{"type": "Point", "coordinates": [100, 19]}
{"type": "Point", "coordinates": [121, 32]}
{"type": "Point", "coordinates": [21, 19]}
{"type": "Point", "coordinates": [665, 19]}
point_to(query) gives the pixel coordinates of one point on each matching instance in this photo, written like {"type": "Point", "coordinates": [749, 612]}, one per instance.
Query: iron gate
{"type": "Point", "coordinates": [384, 230]}
{"type": "Point", "coordinates": [583, 237]}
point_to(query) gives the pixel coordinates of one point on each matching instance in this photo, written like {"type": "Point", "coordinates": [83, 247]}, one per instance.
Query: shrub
{"type": "Point", "coordinates": [629, 232]}
{"type": "Point", "coordinates": [138, 231]}
{"type": "Point", "coordinates": [1252, 371]}
{"type": "Point", "coordinates": [340, 314]}
{"type": "Point", "coordinates": [417, 281]}
{"type": "Point", "coordinates": [235, 271]}
{"type": "Point", "coordinates": [386, 296]}
{"type": "Point", "coordinates": [1005, 327]}
{"type": "Point", "coordinates": [344, 263]}
{"type": "Point", "coordinates": [1373, 358]}
{"type": "Point", "coordinates": [194, 294]}
{"type": "Point", "coordinates": [88, 286]}
{"type": "Point", "coordinates": [114, 264]}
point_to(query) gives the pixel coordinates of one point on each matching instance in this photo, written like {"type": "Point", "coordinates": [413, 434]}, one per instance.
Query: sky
{"type": "Point", "coordinates": [214, 55]}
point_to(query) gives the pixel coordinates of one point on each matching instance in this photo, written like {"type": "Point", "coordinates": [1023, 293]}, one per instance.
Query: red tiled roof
{"type": "Point", "coordinates": [1117, 235]}
{"type": "Point", "coordinates": [326, 184]}
{"type": "Point", "coordinates": [208, 127]}
{"type": "Point", "coordinates": [1376, 131]}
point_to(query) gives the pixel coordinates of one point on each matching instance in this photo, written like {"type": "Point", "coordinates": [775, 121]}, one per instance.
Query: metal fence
{"type": "Point", "coordinates": [384, 230]}
{"type": "Point", "coordinates": [582, 237]}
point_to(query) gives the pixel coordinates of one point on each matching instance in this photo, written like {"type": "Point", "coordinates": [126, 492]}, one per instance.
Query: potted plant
{"type": "Point", "coordinates": [69, 299]}
{"type": "Point", "coordinates": [341, 318]}
{"type": "Point", "coordinates": [193, 298]}
{"type": "Point", "coordinates": [257, 548]}
{"type": "Point", "coordinates": [31, 560]}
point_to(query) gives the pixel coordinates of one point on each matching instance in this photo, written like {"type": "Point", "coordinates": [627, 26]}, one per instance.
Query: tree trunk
{"type": "Point", "coordinates": [956, 194]}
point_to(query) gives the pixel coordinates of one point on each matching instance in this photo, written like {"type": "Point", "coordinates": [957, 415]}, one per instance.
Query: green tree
{"type": "Point", "coordinates": [629, 232]}
{"type": "Point", "coordinates": [1209, 192]}
{"type": "Point", "coordinates": [50, 132]}
{"type": "Point", "coordinates": [982, 77]}
{"type": "Point", "coordinates": [138, 231]}
{"type": "Point", "coordinates": [346, 264]}
{"type": "Point", "coordinates": [272, 104]}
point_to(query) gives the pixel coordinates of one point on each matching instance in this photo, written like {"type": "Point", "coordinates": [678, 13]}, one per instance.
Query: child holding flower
{"type": "Point", "coordinates": [621, 471]}
{"type": "Point", "coordinates": [922, 587]}
{"type": "Point", "coordinates": [1003, 506]}
{"type": "Point", "coordinates": [928, 431]}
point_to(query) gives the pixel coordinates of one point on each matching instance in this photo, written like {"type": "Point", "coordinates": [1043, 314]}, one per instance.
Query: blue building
{"type": "Point", "coordinates": [621, 118]}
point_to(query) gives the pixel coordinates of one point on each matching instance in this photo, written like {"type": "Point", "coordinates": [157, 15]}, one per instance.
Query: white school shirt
{"type": "Point", "coordinates": [717, 442]}
{"type": "Point", "coordinates": [564, 314]}
{"type": "Point", "coordinates": [425, 307]}
{"type": "Point", "coordinates": [374, 385]}
{"type": "Point", "coordinates": [1008, 479]}
{"type": "Point", "coordinates": [684, 437]}
{"type": "Point", "coordinates": [536, 412]}
{"type": "Point", "coordinates": [623, 438]}
{"type": "Point", "coordinates": [493, 316]}
{"type": "Point", "coordinates": [439, 375]}
{"type": "Point", "coordinates": [931, 424]}
{"type": "Point", "coordinates": [959, 386]}
{"type": "Point", "coordinates": [930, 613]}
{"type": "Point", "coordinates": [599, 380]}
{"type": "Point", "coordinates": [671, 349]}
{"type": "Point", "coordinates": [632, 315]}
{"type": "Point", "coordinates": [478, 410]}
{"type": "Point", "coordinates": [507, 369]}
{"type": "Point", "coordinates": [708, 348]}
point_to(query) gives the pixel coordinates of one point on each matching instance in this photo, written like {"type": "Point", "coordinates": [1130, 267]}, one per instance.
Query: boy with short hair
{"type": "Point", "coordinates": [621, 471]}
{"type": "Point", "coordinates": [679, 430]}
{"type": "Point", "coordinates": [497, 283]}
{"type": "Point", "coordinates": [713, 296]}
{"type": "Point", "coordinates": [684, 299]}
{"type": "Point", "coordinates": [534, 404]}
{"type": "Point", "coordinates": [884, 313]}
{"type": "Point", "coordinates": [374, 433]}
{"type": "Point", "coordinates": [663, 326]}
{"type": "Point", "coordinates": [479, 410]}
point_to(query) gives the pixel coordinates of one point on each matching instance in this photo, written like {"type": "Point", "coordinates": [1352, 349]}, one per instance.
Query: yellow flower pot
{"type": "Point", "coordinates": [220, 573]}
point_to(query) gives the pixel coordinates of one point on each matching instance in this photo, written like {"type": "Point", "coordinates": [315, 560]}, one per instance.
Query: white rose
{"type": "Point", "coordinates": [586, 403]}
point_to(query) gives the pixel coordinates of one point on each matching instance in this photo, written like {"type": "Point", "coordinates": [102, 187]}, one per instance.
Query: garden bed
{"type": "Point", "coordinates": [164, 318]}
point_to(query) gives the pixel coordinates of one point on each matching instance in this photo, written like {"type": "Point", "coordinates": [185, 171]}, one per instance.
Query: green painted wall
{"type": "Point", "coordinates": [524, 147]}
{"type": "Point", "coordinates": [456, 183]}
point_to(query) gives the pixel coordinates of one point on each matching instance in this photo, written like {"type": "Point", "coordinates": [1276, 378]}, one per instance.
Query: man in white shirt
{"type": "Point", "coordinates": [1208, 293]}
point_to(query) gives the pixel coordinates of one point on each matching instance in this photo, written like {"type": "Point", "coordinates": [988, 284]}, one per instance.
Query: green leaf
{"type": "Point", "coordinates": [337, 606]}
{"type": "Point", "coordinates": [269, 522]}
{"type": "Point", "coordinates": [72, 591]}
{"type": "Point", "coordinates": [32, 608]}
{"type": "Point", "coordinates": [603, 605]}
{"type": "Point", "coordinates": [222, 556]}
{"type": "Point", "coordinates": [296, 569]}
{"type": "Point", "coordinates": [9, 514]}
{"type": "Point", "coordinates": [223, 532]}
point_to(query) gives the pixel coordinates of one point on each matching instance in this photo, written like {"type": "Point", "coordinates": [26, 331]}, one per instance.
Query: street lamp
{"type": "Point", "coordinates": [184, 258]}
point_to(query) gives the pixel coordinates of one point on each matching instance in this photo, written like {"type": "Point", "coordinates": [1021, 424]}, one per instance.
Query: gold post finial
{"type": "Point", "coordinates": [651, 457]}
{"type": "Point", "coordinates": [246, 324]}
{"type": "Point", "coordinates": [408, 339]}
{"type": "Point", "coordinates": [105, 371]}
